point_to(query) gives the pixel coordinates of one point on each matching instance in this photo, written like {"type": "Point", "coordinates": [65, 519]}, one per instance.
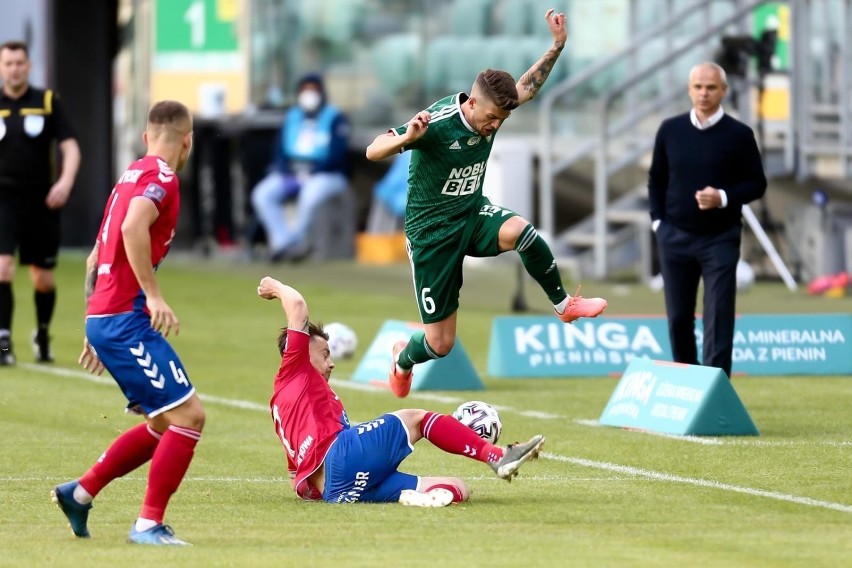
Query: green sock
{"type": "Point", "coordinates": [540, 264]}
{"type": "Point", "coordinates": [417, 351]}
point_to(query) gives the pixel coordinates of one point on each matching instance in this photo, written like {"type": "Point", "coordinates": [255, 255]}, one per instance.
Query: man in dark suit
{"type": "Point", "coordinates": [706, 166]}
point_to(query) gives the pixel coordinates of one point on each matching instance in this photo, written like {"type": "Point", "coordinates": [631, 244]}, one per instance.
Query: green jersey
{"type": "Point", "coordinates": [446, 174]}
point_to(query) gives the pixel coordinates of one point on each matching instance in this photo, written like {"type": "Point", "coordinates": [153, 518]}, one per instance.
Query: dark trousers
{"type": "Point", "coordinates": [685, 259]}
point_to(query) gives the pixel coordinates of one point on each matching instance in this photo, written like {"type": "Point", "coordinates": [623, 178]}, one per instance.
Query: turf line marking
{"type": "Point", "coordinates": [63, 372]}
{"type": "Point", "coordinates": [340, 383]}
{"type": "Point", "coordinates": [628, 470]}
{"type": "Point", "coordinates": [693, 439]}
{"type": "Point", "coordinates": [209, 479]}
{"type": "Point", "coordinates": [715, 441]}
{"type": "Point", "coordinates": [145, 478]}
{"type": "Point", "coordinates": [658, 476]}
{"type": "Point", "coordinates": [833, 443]}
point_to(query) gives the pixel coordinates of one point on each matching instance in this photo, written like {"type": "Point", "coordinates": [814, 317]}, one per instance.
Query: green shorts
{"type": "Point", "coordinates": [437, 268]}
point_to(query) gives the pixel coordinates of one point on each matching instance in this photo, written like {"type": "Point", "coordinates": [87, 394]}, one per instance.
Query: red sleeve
{"type": "Point", "coordinates": [296, 354]}
{"type": "Point", "coordinates": [160, 188]}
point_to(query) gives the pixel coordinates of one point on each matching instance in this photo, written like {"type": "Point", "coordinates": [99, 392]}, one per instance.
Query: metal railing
{"type": "Point", "coordinates": [599, 147]}
{"type": "Point", "coordinates": [823, 83]}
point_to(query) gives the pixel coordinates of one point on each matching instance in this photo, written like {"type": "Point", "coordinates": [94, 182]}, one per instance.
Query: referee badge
{"type": "Point", "coordinates": [2, 128]}
{"type": "Point", "coordinates": [33, 125]}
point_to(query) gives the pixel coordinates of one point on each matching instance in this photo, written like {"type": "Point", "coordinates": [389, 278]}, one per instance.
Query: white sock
{"type": "Point", "coordinates": [82, 496]}
{"type": "Point", "coordinates": [145, 524]}
{"type": "Point", "coordinates": [560, 307]}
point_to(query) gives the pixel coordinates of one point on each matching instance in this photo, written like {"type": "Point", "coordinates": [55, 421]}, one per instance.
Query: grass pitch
{"type": "Point", "coordinates": [598, 496]}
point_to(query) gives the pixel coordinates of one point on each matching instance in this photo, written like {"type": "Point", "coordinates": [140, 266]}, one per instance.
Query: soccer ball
{"type": "Point", "coordinates": [342, 340]}
{"type": "Point", "coordinates": [745, 276]}
{"type": "Point", "coordinates": [480, 417]}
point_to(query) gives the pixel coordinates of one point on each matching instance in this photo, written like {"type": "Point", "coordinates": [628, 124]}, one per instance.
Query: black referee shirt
{"type": "Point", "coordinates": [29, 127]}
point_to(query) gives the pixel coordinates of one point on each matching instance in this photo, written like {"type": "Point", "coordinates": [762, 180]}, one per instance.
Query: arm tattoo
{"type": "Point", "coordinates": [91, 273]}
{"type": "Point", "coordinates": [305, 325]}
{"type": "Point", "coordinates": [535, 77]}
{"type": "Point", "coordinates": [91, 279]}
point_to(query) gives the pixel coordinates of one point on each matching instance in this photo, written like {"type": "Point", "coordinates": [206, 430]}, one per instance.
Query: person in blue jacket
{"type": "Point", "coordinates": [310, 166]}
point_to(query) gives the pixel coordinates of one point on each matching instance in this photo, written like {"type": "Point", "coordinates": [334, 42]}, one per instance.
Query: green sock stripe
{"type": "Point", "coordinates": [540, 265]}
{"type": "Point", "coordinates": [527, 237]}
{"type": "Point", "coordinates": [417, 351]}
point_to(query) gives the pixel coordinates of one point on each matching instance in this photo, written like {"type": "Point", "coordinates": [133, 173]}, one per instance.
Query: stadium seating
{"type": "Point", "coordinates": [335, 21]}
{"type": "Point", "coordinates": [470, 17]}
{"type": "Point", "coordinates": [397, 61]}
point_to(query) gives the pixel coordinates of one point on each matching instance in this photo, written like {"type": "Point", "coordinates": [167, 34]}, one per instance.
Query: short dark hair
{"type": "Point", "coordinates": [313, 329]}
{"type": "Point", "coordinates": [168, 112]}
{"type": "Point", "coordinates": [499, 87]}
{"type": "Point", "coordinates": [16, 45]}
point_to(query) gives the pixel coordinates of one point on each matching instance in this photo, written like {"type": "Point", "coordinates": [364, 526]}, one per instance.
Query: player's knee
{"type": "Point", "coordinates": [7, 268]}
{"type": "Point", "coordinates": [44, 285]}
{"type": "Point", "coordinates": [455, 485]}
{"type": "Point", "coordinates": [189, 415]}
{"type": "Point", "coordinates": [197, 418]}
{"type": "Point", "coordinates": [464, 491]}
{"type": "Point", "coordinates": [441, 346]}
{"type": "Point", "coordinates": [511, 231]}
{"type": "Point", "coordinates": [42, 278]}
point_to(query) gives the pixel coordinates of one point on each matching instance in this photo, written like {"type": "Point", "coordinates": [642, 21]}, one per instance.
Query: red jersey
{"type": "Point", "coordinates": [117, 290]}
{"type": "Point", "coordinates": [306, 412]}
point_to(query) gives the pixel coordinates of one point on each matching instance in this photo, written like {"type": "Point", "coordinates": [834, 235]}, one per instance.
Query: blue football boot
{"type": "Point", "coordinates": [76, 513]}
{"type": "Point", "coordinates": [159, 535]}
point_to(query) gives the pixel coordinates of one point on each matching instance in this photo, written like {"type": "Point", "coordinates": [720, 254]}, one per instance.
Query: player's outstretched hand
{"type": "Point", "coordinates": [556, 21]}
{"type": "Point", "coordinates": [163, 319]}
{"type": "Point", "coordinates": [268, 288]}
{"type": "Point", "coordinates": [89, 359]}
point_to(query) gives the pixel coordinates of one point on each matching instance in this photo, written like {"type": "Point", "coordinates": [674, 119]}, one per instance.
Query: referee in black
{"type": "Point", "coordinates": [705, 167]}
{"type": "Point", "coordinates": [32, 124]}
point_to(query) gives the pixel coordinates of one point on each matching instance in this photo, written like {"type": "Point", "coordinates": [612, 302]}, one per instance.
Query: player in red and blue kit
{"type": "Point", "coordinates": [330, 460]}
{"type": "Point", "coordinates": [127, 322]}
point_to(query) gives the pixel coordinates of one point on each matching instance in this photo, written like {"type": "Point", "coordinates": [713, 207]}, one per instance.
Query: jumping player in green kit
{"type": "Point", "coordinates": [447, 217]}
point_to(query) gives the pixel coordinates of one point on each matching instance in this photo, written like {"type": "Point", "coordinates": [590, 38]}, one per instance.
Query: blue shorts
{"type": "Point", "coordinates": [361, 464]}
{"type": "Point", "coordinates": [141, 361]}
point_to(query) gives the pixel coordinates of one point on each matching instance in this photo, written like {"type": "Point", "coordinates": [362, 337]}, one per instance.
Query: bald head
{"type": "Point", "coordinates": [708, 85]}
{"type": "Point", "coordinates": [708, 67]}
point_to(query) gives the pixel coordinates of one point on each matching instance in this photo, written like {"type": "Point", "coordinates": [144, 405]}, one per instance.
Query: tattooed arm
{"type": "Point", "coordinates": [531, 81]}
{"type": "Point", "coordinates": [88, 358]}
{"type": "Point", "coordinates": [91, 273]}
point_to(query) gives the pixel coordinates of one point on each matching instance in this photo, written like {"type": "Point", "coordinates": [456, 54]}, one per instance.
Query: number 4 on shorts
{"type": "Point", "coordinates": [180, 377]}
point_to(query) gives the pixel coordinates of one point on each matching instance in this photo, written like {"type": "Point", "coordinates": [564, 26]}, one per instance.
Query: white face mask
{"type": "Point", "coordinates": [310, 101]}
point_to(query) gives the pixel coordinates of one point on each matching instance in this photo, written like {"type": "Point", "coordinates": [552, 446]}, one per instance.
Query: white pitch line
{"type": "Point", "coordinates": [648, 474]}
{"type": "Point", "coordinates": [248, 405]}
{"type": "Point", "coordinates": [834, 443]}
{"type": "Point", "coordinates": [693, 439]}
{"type": "Point", "coordinates": [715, 441]}
{"type": "Point", "coordinates": [107, 380]}
{"type": "Point", "coordinates": [628, 470]}
{"type": "Point", "coordinates": [205, 479]}
{"type": "Point", "coordinates": [145, 478]}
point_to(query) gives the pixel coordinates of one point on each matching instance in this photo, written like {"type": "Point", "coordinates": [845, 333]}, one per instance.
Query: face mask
{"type": "Point", "coordinates": [310, 101]}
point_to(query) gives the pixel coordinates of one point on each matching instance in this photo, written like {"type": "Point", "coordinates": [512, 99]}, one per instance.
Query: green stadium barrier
{"type": "Point", "coordinates": [674, 398]}
{"type": "Point", "coordinates": [453, 372]}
